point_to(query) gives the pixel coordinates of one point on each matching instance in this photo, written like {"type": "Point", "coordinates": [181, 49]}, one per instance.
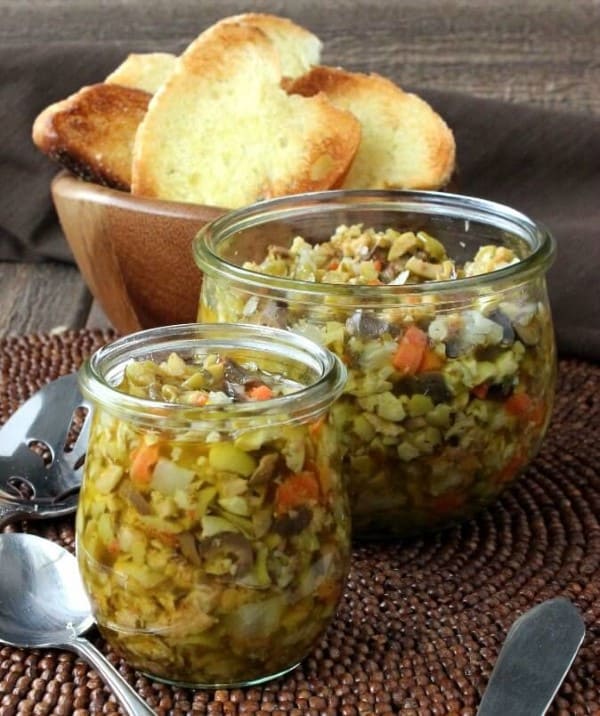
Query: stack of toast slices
{"type": "Point", "coordinates": [246, 112]}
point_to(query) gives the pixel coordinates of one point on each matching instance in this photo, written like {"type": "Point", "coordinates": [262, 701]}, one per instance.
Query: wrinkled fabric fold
{"type": "Point", "coordinates": [543, 162]}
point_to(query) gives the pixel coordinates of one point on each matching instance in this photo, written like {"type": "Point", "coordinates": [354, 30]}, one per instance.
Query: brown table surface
{"type": "Point", "coordinates": [543, 52]}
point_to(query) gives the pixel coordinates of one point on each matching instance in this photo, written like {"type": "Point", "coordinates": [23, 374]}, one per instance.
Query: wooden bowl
{"type": "Point", "coordinates": [135, 254]}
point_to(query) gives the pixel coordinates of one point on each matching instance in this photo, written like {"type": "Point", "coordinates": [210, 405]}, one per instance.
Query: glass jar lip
{"type": "Point", "coordinates": [457, 206]}
{"type": "Point", "coordinates": [98, 374]}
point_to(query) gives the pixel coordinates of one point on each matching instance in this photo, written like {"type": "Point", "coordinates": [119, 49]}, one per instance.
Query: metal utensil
{"type": "Point", "coordinates": [30, 485]}
{"type": "Point", "coordinates": [43, 605]}
{"type": "Point", "coordinates": [538, 652]}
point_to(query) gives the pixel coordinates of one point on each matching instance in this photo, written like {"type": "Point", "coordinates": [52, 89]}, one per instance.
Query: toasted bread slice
{"type": "Point", "coordinates": [298, 48]}
{"type": "Point", "coordinates": [404, 144]}
{"type": "Point", "coordinates": [145, 71]}
{"type": "Point", "coordinates": [92, 132]}
{"type": "Point", "coordinates": [222, 131]}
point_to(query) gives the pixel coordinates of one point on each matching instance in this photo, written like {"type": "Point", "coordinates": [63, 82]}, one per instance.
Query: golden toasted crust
{"type": "Point", "coordinates": [298, 48]}
{"type": "Point", "coordinates": [145, 71]}
{"type": "Point", "coordinates": [92, 132]}
{"type": "Point", "coordinates": [405, 143]}
{"type": "Point", "coordinates": [222, 132]}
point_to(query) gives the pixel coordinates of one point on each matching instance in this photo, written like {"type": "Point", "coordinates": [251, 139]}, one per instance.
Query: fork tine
{"type": "Point", "coordinates": [22, 464]}
{"type": "Point", "coordinates": [52, 422]}
{"type": "Point", "coordinates": [28, 467]}
{"type": "Point", "coordinates": [45, 417]}
{"type": "Point", "coordinates": [79, 448]}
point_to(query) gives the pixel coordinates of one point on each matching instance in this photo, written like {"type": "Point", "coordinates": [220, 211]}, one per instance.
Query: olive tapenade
{"type": "Point", "coordinates": [448, 394]}
{"type": "Point", "coordinates": [214, 555]}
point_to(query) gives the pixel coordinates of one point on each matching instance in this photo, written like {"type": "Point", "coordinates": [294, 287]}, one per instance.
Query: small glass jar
{"type": "Point", "coordinates": [424, 444]}
{"type": "Point", "coordinates": [213, 539]}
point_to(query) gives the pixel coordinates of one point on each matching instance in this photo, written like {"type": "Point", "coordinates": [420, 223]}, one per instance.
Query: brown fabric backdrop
{"type": "Point", "coordinates": [542, 162]}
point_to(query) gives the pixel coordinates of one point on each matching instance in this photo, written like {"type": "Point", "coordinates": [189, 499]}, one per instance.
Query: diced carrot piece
{"type": "Point", "coordinates": [519, 404]}
{"type": "Point", "coordinates": [314, 428]}
{"type": "Point", "coordinates": [524, 406]}
{"type": "Point", "coordinates": [431, 361]}
{"type": "Point", "coordinates": [143, 460]}
{"type": "Point", "coordinates": [260, 392]}
{"type": "Point", "coordinates": [377, 265]}
{"type": "Point", "coordinates": [410, 351]}
{"type": "Point", "coordinates": [480, 391]}
{"type": "Point", "coordinates": [333, 265]}
{"type": "Point", "coordinates": [296, 490]}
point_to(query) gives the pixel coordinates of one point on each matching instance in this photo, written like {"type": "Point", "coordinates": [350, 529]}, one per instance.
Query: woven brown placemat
{"type": "Point", "coordinates": [421, 622]}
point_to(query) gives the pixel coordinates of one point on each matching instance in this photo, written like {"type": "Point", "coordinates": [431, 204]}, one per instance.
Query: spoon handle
{"type": "Point", "coordinates": [133, 704]}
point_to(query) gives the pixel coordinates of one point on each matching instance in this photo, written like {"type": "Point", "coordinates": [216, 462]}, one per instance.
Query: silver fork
{"type": "Point", "coordinates": [31, 486]}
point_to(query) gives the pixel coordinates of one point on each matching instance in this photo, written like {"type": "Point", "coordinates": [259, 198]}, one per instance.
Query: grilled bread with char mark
{"type": "Point", "coordinates": [92, 132]}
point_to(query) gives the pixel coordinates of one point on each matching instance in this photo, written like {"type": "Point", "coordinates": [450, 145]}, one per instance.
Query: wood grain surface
{"type": "Point", "coordinates": [41, 297]}
{"type": "Point", "coordinates": [544, 52]}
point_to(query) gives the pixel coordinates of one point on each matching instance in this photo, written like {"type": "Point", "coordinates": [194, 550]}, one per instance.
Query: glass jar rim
{"type": "Point", "coordinates": [455, 206]}
{"type": "Point", "coordinates": [99, 373]}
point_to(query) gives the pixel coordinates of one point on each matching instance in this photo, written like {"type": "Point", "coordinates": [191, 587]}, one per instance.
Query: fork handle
{"type": "Point", "coordinates": [9, 512]}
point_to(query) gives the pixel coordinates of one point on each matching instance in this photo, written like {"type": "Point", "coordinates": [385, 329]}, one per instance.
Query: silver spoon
{"type": "Point", "coordinates": [43, 605]}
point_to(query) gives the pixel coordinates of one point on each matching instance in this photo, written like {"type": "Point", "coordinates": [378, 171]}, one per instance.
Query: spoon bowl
{"type": "Point", "coordinates": [43, 605]}
{"type": "Point", "coordinates": [51, 607]}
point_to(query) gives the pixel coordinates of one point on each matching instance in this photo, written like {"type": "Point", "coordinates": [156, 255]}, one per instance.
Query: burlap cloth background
{"type": "Point", "coordinates": [421, 622]}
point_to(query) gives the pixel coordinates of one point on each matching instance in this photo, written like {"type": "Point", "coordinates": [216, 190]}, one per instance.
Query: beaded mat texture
{"type": "Point", "coordinates": [421, 622]}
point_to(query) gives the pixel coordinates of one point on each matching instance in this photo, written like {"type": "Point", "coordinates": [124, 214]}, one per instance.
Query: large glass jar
{"type": "Point", "coordinates": [213, 537]}
{"type": "Point", "coordinates": [424, 442]}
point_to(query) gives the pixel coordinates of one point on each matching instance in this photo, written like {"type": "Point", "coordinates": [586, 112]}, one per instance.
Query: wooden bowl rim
{"type": "Point", "coordinates": [67, 185]}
